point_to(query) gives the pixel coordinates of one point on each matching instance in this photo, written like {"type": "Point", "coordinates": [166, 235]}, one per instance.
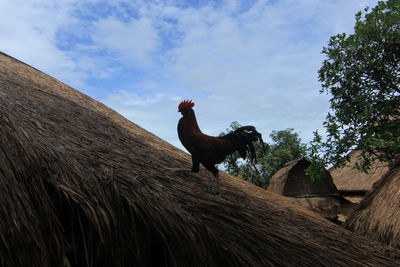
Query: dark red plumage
{"type": "Point", "coordinates": [210, 150]}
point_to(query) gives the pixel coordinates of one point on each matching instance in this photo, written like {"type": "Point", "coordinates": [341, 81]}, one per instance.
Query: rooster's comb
{"type": "Point", "coordinates": [184, 104]}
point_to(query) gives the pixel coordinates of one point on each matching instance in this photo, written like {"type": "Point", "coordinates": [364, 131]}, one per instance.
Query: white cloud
{"type": "Point", "coordinates": [135, 41]}
{"type": "Point", "coordinates": [28, 32]}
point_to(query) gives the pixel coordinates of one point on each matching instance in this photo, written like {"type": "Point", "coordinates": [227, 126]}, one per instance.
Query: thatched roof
{"type": "Point", "coordinates": [292, 181]}
{"type": "Point", "coordinates": [379, 214]}
{"type": "Point", "coordinates": [350, 179]}
{"type": "Point", "coordinates": [320, 196]}
{"type": "Point", "coordinates": [82, 186]}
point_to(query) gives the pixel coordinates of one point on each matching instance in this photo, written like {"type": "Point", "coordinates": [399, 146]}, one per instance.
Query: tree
{"type": "Point", "coordinates": [286, 146]}
{"type": "Point", "coordinates": [362, 73]}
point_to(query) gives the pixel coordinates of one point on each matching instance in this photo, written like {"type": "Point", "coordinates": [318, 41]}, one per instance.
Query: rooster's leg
{"type": "Point", "coordinates": [195, 164]}
{"type": "Point", "coordinates": [212, 169]}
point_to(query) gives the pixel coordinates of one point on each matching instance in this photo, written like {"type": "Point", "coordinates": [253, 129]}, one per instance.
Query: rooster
{"type": "Point", "coordinates": [210, 150]}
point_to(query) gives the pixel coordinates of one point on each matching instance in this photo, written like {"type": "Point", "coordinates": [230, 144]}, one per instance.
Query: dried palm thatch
{"type": "Point", "coordinates": [378, 217]}
{"type": "Point", "coordinates": [351, 181]}
{"type": "Point", "coordinates": [82, 186]}
{"type": "Point", "coordinates": [320, 196]}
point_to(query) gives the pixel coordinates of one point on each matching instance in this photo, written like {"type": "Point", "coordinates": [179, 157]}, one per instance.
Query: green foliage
{"type": "Point", "coordinates": [286, 146]}
{"type": "Point", "coordinates": [362, 73]}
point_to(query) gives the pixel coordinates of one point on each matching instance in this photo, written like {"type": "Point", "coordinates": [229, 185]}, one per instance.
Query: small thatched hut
{"type": "Point", "coordinates": [82, 186]}
{"type": "Point", "coordinates": [353, 183]}
{"type": "Point", "coordinates": [320, 196]}
{"type": "Point", "coordinates": [378, 216]}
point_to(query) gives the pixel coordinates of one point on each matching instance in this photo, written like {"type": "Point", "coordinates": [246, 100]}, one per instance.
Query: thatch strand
{"type": "Point", "coordinates": [82, 186]}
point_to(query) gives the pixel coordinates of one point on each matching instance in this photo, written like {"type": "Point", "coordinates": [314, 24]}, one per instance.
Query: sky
{"type": "Point", "coordinates": [254, 62]}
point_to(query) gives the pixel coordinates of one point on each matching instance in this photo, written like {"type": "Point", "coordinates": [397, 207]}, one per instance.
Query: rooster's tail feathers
{"type": "Point", "coordinates": [242, 140]}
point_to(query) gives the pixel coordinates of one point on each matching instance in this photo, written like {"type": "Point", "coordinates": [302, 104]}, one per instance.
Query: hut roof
{"type": "Point", "coordinates": [378, 216]}
{"type": "Point", "coordinates": [82, 186]}
{"type": "Point", "coordinates": [350, 179]}
{"type": "Point", "coordinates": [292, 181]}
{"type": "Point", "coordinates": [320, 196]}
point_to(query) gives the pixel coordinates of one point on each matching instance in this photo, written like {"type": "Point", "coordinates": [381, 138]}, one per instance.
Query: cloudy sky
{"type": "Point", "coordinates": [254, 62]}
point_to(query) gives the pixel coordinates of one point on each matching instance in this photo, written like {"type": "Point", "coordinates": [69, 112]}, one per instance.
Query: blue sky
{"type": "Point", "coordinates": [254, 62]}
